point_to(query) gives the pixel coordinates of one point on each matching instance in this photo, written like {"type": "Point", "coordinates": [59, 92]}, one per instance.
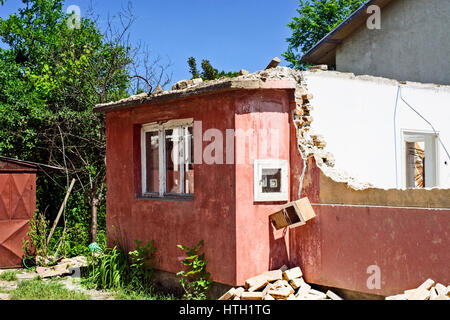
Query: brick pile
{"type": "Point", "coordinates": [280, 284]}
{"type": "Point", "coordinates": [426, 291]}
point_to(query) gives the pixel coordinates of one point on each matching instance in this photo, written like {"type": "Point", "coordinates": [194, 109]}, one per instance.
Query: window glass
{"type": "Point", "coordinates": [189, 160]}
{"type": "Point", "coordinates": [173, 151]}
{"type": "Point", "coordinates": [152, 161]}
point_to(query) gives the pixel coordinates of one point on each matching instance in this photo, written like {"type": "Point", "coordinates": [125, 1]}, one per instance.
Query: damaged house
{"type": "Point", "coordinates": [214, 160]}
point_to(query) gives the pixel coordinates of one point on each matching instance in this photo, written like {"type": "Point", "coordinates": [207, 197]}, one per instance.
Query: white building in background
{"type": "Point", "coordinates": [387, 133]}
{"type": "Point", "coordinates": [412, 43]}
{"type": "Point", "coordinates": [391, 133]}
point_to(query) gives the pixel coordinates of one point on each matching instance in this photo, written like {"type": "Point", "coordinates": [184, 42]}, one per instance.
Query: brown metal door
{"type": "Point", "coordinates": [17, 204]}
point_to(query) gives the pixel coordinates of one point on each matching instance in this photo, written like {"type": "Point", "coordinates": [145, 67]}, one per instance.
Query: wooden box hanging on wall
{"type": "Point", "coordinates": [293, 214]}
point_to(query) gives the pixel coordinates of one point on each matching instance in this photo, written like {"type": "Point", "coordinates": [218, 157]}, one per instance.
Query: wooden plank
{"type": "Point", "coordinates": [278, 220]}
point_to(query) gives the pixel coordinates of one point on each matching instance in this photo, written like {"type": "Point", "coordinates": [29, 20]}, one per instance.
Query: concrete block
{"type": "Point", "coordinates": [228, 295]}
{"type": "Point", "coordinates": [273, 275]}
{"type": "Point", "coordinates": [251, 282]}
{"type": "Point", "coordinates": [317, 293]}
{"type": "Point", "coordinates": [420, 294]}
{"type": "Point", "coordinates": [238, 291]}
{"type": "Point", "coordinates": [259, 284]}
{"type": "Point", "coordinates": [333, 295]}
{"type": "Point", "coordinates": [427, 284]}
{"type": "Point", "coordinates": [304, 289]}
{"type": "Point", "coordinates": [441, 289]}
{"type": "Point", "coordinates": [433, 293]}
{"type": "Point", "coordinates": [396, 297]}
{"type": "Point", "coordinates": [292, 274]}
{"type": "Point", "coordinates": [297, 283]}
{"type": "Point", "coordinates": [282, 293]}
{"type": "Point", "coordinates": [274, 63]}
{"type": "Point", "coordinates": [252, 296]}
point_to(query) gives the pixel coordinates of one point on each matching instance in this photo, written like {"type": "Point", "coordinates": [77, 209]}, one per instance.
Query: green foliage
{"type": "Point", "coordinates": [209, 72]}
{"type": "Point", "coordinates": [38, 232]}
{"type": "Point", "coordinates": [51, 76]}
{"type": "Point", "coordinates": [142, 264]}
{"type": "Point", "coordinates": [195, 280]}
{"type": "Point", "coordinates": [37, 289]}
{"type": "Point", "coordinates": [193, 68]}
{"type": "Point", "coordinates": [115, 269]}
{"type": "Point", "coordinates": [106, 271]}
{"type": "Point", "coordinates": [8, 275]}
{"type": "Point", "coordinates": [316, 18]}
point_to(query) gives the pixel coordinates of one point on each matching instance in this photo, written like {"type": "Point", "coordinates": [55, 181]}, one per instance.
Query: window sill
{"type": "Point", "coordinates": [168, 197]}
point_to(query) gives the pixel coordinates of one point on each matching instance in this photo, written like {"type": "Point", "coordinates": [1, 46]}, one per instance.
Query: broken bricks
{"type": "Point", "coordinates": [426, 291]}
{"type": "Point", "coordinates": [280, 284]}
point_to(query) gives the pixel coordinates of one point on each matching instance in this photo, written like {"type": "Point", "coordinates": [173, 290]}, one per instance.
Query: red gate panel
{"type": "Point", "coordinates": [17, 205]}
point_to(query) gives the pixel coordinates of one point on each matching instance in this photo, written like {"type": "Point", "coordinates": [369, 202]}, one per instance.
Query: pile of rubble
{"type": "Point", "coordinates": [66, 266]}
{"type": "Point", "coordinates": [426, 291]}
{"type": "Point", "coordinates": [281, 284]}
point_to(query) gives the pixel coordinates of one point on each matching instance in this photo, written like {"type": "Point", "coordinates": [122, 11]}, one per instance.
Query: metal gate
{"type": "Point", "coordinates": [17, 205]}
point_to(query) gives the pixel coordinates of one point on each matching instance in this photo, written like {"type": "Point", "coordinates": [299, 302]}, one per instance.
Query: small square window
{"type": "Point", "coordinates": [270, 180]}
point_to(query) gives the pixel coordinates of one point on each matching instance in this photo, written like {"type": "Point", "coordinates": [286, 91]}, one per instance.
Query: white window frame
{"type": "Point", "coordinates": [161, 129]}
{"type": "Point", "coordinates": [258, 166]}
{"type": "Point", "coordinates": [431, 155]}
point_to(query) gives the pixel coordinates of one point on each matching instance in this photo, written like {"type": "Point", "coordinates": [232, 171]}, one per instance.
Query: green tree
{"type": "Point", "coordinates": [51, 77]}
{"type": "Point", "coordinates": [316, 18]}
{"type": "Point", "coordinates": [209, 72]}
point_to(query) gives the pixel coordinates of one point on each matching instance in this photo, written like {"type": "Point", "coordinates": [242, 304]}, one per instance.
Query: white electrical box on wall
{"type": "Point", "coordinates": [270, 180]}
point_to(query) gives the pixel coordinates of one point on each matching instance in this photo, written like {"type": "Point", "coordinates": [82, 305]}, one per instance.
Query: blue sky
{"type": "Point", "coordinates": [232, 34]}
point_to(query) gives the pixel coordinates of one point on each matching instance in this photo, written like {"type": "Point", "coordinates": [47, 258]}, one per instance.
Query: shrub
{"type": "Point", "coordinates": [106, 271]}
{"type": "Point", "coordinates": [195, 280]}
{"type": "Point", "coordinates": [116, 269]}
{"type": "Point", "coordinates": [37, 243]}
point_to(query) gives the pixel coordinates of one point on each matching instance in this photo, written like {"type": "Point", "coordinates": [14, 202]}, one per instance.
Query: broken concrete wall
{"type": "Point", "coordinates": [355, 115]}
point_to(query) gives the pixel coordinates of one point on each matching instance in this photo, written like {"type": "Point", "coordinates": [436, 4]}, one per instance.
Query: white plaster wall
{"type": "Point", "coordinates": [356, 117]}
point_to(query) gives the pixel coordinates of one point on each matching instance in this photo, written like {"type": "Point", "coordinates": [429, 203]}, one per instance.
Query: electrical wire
{"type": "Point", "coordinates": [429, 123]}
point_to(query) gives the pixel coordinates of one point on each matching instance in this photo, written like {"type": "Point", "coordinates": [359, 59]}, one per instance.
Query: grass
{"type": "Point", "coordinates": [9, 275]}
{"type": "Point", "coordinates": [127, 294]}
{"type": "Point", "coordinates": [37, 289]}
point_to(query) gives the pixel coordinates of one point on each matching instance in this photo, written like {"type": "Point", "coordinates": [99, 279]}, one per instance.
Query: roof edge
{"type": "Point", "coordinates": [227, 85]}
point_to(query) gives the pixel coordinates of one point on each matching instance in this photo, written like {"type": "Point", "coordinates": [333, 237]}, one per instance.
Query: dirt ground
{"type": "Point", "coordinates": [69, 282]}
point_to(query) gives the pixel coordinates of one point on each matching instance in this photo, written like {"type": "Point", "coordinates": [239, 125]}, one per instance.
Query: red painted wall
{"type": "Point", "coordinates": [334, 249]}
{"type": "Point", "coordinates": [259, 247]}
{"type": "Point", "coordinates": [210, 216]}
